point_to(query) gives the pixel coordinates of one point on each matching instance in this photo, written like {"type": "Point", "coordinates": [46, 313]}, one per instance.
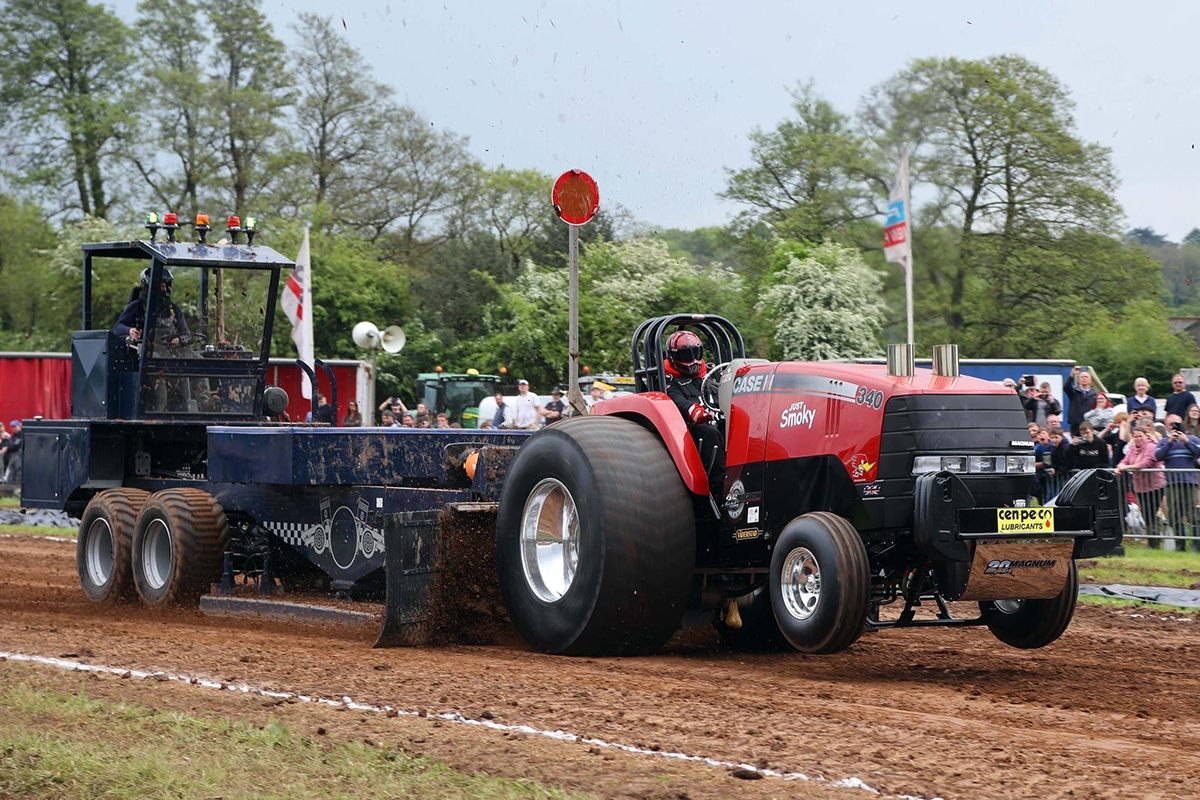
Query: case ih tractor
{"type": "Point", "coordinates": [848, 488]}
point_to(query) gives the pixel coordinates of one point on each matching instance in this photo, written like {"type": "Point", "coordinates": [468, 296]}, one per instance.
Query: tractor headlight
{"type": "Point", "coordinates": [1020, 464]}
{"type": "Point", "coordinates": [923, 464]}
{"type": "Point", "coordinates": [973, 465]}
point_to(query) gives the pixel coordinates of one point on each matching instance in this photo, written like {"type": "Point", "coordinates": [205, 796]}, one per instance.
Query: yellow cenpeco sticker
{"type": "Point", "coordinates": [1025, 520]}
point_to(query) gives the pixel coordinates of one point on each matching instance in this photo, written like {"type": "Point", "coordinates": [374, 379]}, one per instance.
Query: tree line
{"type": "Point", "coordinates": [1018, 248]}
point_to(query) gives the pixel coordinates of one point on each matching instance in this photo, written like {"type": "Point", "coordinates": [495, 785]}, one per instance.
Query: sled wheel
{"type": "Point", "coordinates": [820, 583]}
{"type": "Point", "coordinates": [1030, 624]}
{"type": "Point", "coordinates": [102, 551]}
{"type": "Point", "coordinates": [595, 539]}
{"type": "Point", "coordinates": [178, 547]}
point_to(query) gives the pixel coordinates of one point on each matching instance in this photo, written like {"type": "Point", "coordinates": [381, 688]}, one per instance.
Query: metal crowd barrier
{"type": "Point", "coordinates": [1170, 512]}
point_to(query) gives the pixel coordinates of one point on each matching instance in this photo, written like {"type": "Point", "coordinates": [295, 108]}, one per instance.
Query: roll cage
{"type": "Point", "coordinates": [718, 334]}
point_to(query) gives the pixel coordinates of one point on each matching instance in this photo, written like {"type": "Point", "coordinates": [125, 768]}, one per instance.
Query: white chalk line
{"type": "Point", "coordinates": [347, 702]}
{"type": "Point", "coordinates": [45, 537]}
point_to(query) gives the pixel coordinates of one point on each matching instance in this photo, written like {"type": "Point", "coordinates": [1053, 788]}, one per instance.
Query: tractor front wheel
{"type": "Point", "coordinates": [820, 583]}
{"type": "Point", "coordinates": [1030, 624]}
{"type": "Point", "coordinates": [179, 546]}
{"type": "Point", "coordinates": [595, 539]}
{"type": "Point", "coordinates": [102, 551]}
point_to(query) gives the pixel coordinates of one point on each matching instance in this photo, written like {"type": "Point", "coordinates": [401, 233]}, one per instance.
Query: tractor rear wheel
{"type": "Point", "coordinates": [1030, 624]}
{"type": "Point", "coordinates": [595, 539]}
{"type": "Point", "coordinates": [759, 629]}
{"type": "Point", "coordinates": [102, 551]}
{"type": "Point", "coordinates": [179, 546]}
{"type": "Point", "coordinates": [820, 583]}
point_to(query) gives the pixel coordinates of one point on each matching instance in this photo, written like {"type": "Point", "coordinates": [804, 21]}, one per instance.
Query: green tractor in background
{"type": "Point", "coordinates": [456, 394]}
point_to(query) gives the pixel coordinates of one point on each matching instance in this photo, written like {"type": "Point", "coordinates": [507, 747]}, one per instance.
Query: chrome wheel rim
{"type": "Point", "coordinates": [800, 583]}
{"type": "Point", "coordinates": [98, 553]}
{"type": "Point", "coordinates": [1008, 606]}
{"type": "Point", "coordinates": [549, 540]}
{"type": "Point", "coordinates": [156, 554]}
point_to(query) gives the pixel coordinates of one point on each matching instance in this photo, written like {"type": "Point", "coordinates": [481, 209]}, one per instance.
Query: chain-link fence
{"type": "Point", "coordinates": [1159, 504]}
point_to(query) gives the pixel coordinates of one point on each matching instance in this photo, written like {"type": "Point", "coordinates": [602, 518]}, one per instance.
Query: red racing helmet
{"type": "Point", "coordinates": [686, 353]}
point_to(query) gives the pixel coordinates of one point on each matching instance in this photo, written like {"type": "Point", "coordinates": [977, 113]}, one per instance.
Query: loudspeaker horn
{"type": "Point", "coordinates": [366, 335]}
{"type": "Point", "coordinates": [393, 339]}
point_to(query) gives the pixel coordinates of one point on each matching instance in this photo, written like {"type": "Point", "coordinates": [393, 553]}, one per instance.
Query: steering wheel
{"type": "Point", "coordinates": [709, 387]}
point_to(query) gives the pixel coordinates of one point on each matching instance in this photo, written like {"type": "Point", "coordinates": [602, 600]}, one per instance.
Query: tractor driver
{"type": "Point", "coordinates": [170, 332]}
{"type": "Point", "coordinates": [685, 370]}
{"type": "Point", "coordinates": [170, 326]}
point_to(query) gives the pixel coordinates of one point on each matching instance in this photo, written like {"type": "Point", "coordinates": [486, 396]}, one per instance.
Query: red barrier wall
{"type": "Point", "coordinates": [39, 384]}
{"type": "Point", "coordinates": [34, 384]}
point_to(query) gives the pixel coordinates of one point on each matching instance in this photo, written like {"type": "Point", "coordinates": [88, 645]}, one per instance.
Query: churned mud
{"type": "Point", "coordinates": [1112, 709]}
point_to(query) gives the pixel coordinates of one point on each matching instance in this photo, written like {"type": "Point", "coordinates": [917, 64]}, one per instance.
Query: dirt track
{"type": "Point", "coordinates": [1112, 709]}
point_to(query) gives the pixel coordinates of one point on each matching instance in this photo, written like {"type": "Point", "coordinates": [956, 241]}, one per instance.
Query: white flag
{"type": "Point", "coordinates": [297, 304]}
{"type": "Point", "coordinates": [897, 245]}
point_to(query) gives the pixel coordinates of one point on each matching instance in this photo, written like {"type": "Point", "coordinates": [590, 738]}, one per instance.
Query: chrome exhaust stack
{"type": "Point", "coordinates": [945, 360]}
{"type": "Point", "coordinates": [901, 360]}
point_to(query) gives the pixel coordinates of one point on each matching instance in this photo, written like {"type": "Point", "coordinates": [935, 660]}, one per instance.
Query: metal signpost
{"type": "Point", "coordinates": [576, 198]}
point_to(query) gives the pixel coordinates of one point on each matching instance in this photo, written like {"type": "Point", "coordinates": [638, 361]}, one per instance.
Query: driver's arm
{"type": "Point", "coordinates": [687, 402]}
{"type": "Point", "coordinates": [128, 319]}
{"type": "Point", "coordinates": [181, 324]}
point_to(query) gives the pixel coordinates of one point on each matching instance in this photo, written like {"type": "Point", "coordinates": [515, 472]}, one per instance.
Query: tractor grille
{"type": "Point", "coordinates": [932, 424]}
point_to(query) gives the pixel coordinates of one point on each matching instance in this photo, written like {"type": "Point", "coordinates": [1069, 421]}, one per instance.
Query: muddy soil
{"type": "Point", "coordinates": [1112, 709]}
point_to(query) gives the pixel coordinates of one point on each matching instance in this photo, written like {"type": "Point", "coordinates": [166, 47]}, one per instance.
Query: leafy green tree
{"type": "Point", "coordinates": [337, 114]}
{"type": "Point", "coordinates": [253, 89]}
{"type": "Point", "coordinates": [1193, 237]}
{"type": "Point", "coordinates": [1147, 237]}
{"type": "Point", "coordinates": [1138, 342]}
{"type": "Point", "coordinates": [25, 283]}
{"type": "Point", "coordinates": [181, 117]}
{"type": "Point", "coordinates": [811, 175]}
{"type": "Point", "coordinates": [61, 78]}
{"type": "Point", "coordinates": [513, 203]}
{"type": "Point", "coordinates": [621, 284]}
{"type": "Point", "coordinates": [823, 302]}
{"type": "Point", "coordinates": [418, 190]}
{"type": "Point", "coordinates": [996, 139]}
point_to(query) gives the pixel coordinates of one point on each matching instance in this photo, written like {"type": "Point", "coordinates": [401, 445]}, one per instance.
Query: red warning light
{"type": "Point", "coordinates": [233, 222]}
{"type": "Point", "coordinates": [170, 218]}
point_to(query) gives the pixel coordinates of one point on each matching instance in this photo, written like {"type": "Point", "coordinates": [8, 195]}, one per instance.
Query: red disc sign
{"type": "Point", "coordinates": [576, 197]}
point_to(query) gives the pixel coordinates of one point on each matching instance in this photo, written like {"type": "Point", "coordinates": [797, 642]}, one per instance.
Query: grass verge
{"type": "Point", "coordinates": [61, 745]}
{"type": "Point", "coordinates": [1144, 605]}
{"type": "Point", "coordinates": [9, 501]}
{"type": "Point", "coordinates": [1141, 566]}
{"type": "Point", "coordinates": [34, 530]}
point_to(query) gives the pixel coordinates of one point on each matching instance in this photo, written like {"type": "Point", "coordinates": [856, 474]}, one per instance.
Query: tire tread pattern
{"type": "Point", "coordinates": [855, 574]}
{"type": "Point", "coordinates": [121, 508]}
{"type": "Point", "coordinates": [200, 534]}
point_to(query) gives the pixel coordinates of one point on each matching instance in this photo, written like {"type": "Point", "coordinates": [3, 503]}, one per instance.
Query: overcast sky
{"type": "Point", "coordinates": [655, 99]}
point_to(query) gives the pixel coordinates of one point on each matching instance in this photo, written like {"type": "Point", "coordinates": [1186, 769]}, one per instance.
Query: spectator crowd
{"type": "Point", "coordinates": [1132, 441]}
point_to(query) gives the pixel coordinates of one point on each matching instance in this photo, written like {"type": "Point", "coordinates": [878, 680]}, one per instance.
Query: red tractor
{"type": "Point", "coordinates": [847, 487]}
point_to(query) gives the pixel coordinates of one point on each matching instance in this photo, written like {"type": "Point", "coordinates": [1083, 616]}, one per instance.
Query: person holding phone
{"type": "Point", "coordinates": [1082, 396]}
{"type": "Point", "coordinates": [1179, 450]}
{"type": "Point", "coordinates": [1038, 407]}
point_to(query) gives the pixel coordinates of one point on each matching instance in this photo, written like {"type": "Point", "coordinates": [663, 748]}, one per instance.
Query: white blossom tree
{"type": "Point", "coordinates": [823, 302]}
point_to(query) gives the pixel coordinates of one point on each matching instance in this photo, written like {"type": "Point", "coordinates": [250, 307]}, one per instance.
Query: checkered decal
{"type": "Point", "coordinates": [290, 532]}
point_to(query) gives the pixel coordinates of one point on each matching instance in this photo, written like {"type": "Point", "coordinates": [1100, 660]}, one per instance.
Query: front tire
{"type": "Point", "coordinates": [178, 547]}
{"type": "Point", "coordinates": [595, 539]}
{"type": "Point", "coordinates": [1030, 624]}
{"type": "Point", "coordinates": [820, 583]}
{"type": "Point", "coordinates": [103, 548]}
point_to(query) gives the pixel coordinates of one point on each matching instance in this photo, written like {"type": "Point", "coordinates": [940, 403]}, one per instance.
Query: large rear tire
{"type": "Point", "coordinates": [595, 539]}
{"type": "Point", "coordinates": [178, 547]}
{"type": "Point", "coordinates": [102, 551]}
{"type": "Point", "coordinates": [820, 583]}
{"type": "Point", "coordinates": [1030, 624]}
